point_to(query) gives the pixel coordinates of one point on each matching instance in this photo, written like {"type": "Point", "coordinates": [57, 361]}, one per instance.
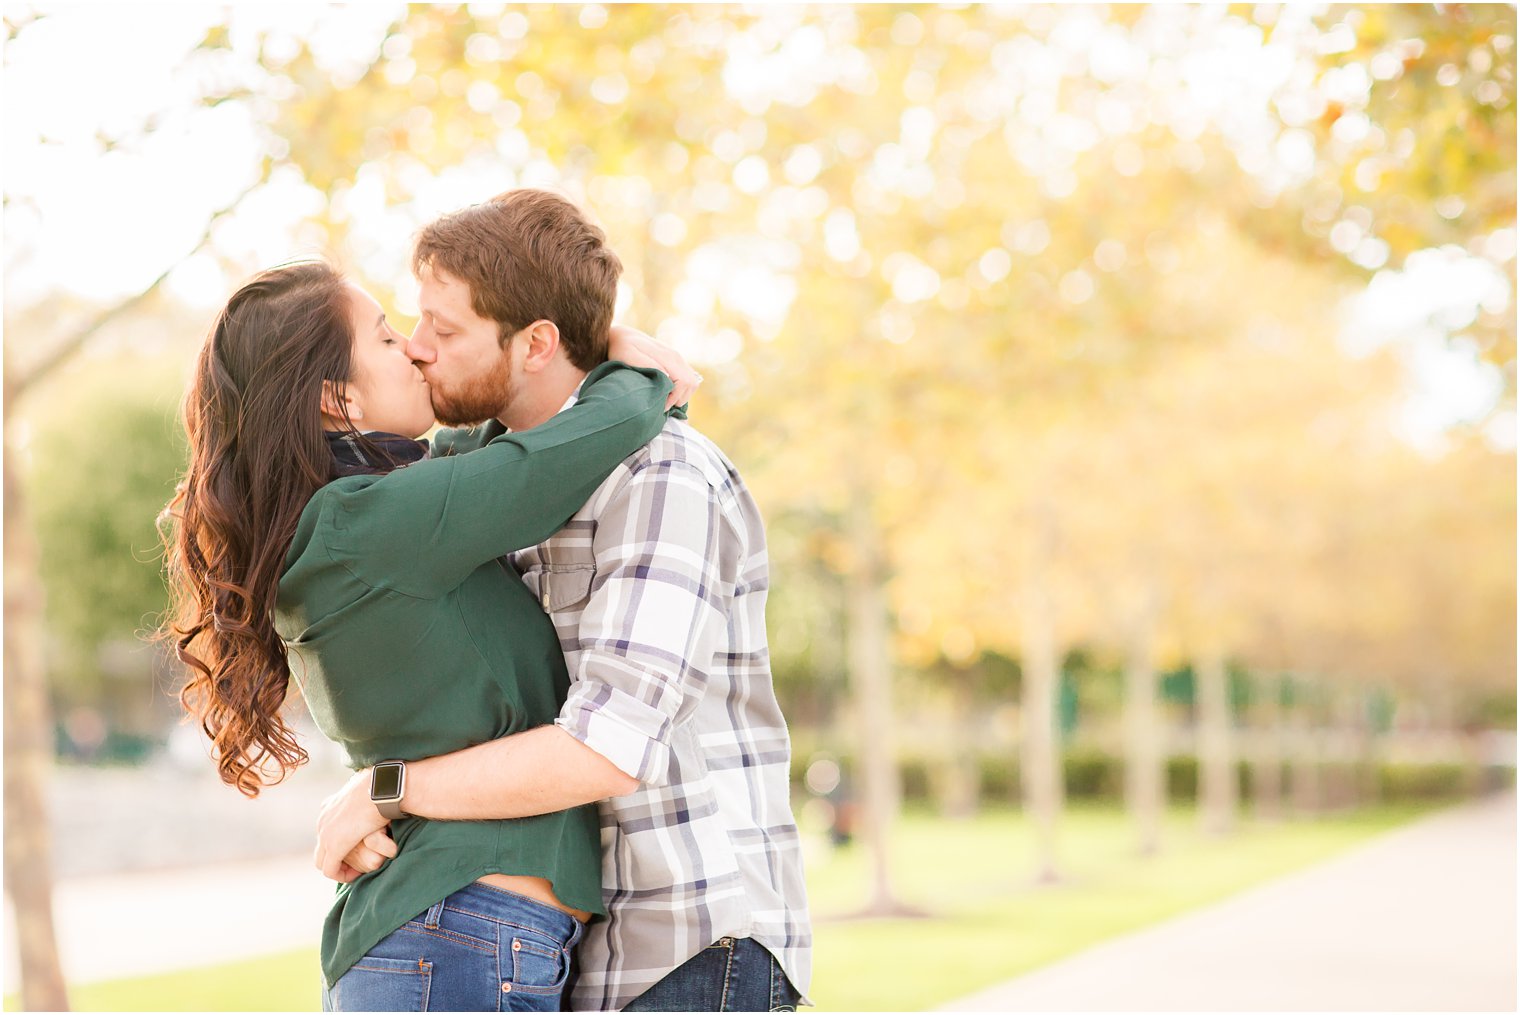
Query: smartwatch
{"type": "Point", "coordinates": [387, 785]}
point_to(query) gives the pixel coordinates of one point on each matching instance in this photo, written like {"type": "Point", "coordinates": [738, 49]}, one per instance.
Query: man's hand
{"type": "Point", "coordinates": [369, 855]}
{"type": "Point", "coordinates": [346, 843]}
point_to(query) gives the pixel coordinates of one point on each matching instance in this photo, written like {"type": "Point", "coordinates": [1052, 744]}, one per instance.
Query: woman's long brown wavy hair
{"type": "Point", "coordinates": [257, 454]}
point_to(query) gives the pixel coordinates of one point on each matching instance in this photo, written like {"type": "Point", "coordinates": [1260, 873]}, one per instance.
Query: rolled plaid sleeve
{"type": "Point", "coordinates": [655, 618]}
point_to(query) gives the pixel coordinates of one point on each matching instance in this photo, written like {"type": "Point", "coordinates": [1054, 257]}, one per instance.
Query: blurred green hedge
{"type": "Point", "coordinates": [1097, 776]}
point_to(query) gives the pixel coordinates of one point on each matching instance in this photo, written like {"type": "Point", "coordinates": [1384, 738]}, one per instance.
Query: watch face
{"type": "Point", "coordinates": [385, 784]}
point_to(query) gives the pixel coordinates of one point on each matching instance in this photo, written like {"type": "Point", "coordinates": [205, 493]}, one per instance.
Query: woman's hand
{"type": "Point", "coordinates": [638, 349]}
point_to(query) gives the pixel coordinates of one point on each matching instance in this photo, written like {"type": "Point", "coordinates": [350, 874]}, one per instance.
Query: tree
{"type": "Point", "coordinates": [871, 199]}
{"type": "Point", "coordinates": [95, 499]}
{"type": "Point", "coordinates": [28, 723]}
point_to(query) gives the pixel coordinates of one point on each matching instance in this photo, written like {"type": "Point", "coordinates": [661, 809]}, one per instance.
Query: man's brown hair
{"type": "Point", "coordinates": [530, 255]}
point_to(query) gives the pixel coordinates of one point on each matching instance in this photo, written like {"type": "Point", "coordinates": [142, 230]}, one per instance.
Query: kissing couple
{"type": "Point", "coordinates": [539, 638]}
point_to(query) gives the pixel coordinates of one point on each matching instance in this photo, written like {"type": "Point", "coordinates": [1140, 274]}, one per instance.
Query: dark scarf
{"type": "Point", "coordinates": [351, 456]}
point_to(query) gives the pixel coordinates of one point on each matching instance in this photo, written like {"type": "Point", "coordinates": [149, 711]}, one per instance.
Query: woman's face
{"type": "Point", "coordinates": [387, 390]}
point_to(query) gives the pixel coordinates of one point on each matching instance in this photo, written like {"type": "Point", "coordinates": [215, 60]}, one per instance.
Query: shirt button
{"type": "Point", "coordinates": [546, 600]}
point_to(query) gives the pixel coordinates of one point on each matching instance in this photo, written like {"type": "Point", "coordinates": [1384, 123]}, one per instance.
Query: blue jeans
{"type": "Point", "coordinates": [480, 949]}
{"type": "Point", "coordinates": [735, 974]}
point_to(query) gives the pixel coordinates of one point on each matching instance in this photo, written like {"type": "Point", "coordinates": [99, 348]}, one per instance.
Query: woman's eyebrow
{"type": "Point", "coordinates": [381, 322]}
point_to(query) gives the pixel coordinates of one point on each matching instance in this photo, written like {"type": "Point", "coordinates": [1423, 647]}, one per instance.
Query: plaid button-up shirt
{"type": "Point", "coordinates": [657, 588]}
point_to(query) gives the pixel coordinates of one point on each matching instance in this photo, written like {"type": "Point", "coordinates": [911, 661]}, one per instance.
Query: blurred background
{"type": "Point", "coordinates": [1129, 392]}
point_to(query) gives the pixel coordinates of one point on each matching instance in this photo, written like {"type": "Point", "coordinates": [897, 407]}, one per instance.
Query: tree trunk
{"type": "Point", "coordinates": [1040, 769]}
{"type": "Point", "coordinates": [1267, 763]}
{"type": "Point", "coordinates": [28, 724]}
{"type": "Point", "coordinates": [28, 747]}
{"type": "Point", "coordinates": [1218, 789]}
{"type": "Point", "coordinates": [1336, 756]}
{"type": "Point", "coordinates": [961, 790]}
{"type": "Point", "coordinates": [1348, 752]}
{"type": "Point", "coordinates": [1145, 761]}
{"type": "Point", "coordinates": [1307, 787]}
{"type": "Point", "coordinates": [1369, 749]}
{"type": "Point", "coordinates": [1447, 720]}
{"type": "Point", "coordinates": [871, 679]}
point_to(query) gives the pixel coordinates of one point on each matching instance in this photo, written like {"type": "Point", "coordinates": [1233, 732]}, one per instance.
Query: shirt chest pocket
{"type": "Point", "coordinates": [566, 588]}
{"type": "Point", "coordinates": [564, 583]}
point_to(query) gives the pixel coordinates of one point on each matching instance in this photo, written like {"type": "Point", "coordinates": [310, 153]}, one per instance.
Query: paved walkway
{"type": "Point", "coordinates": [1420, 919]}
{"type": "Point", "coordinates": [161, 869]}
{"type": "Point", "coordinates": [135, 924]}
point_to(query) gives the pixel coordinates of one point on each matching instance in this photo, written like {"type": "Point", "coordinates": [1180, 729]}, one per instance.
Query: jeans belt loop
{"type": "Point", "coordinates": [434, 914]}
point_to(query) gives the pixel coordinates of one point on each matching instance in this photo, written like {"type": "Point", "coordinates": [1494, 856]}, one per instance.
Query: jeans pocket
{"type": "Point", "coordinates": [539, 965]}
{"type": "Point", "coordinates": [378, 984]}
{"type": "Point", "coordinates": [701, 983]}
{"type": "Point", "coordinates": [784, 996]}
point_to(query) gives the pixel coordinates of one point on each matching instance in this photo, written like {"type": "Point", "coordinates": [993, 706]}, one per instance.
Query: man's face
{"type": "Point", "coordinates": [460, 353]}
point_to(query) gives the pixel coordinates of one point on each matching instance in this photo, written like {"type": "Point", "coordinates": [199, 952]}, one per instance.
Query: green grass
{"type": "Point", "coordinates": [287, 982]}
{"type": "Point", "coordinates": [991, 921]}
{"type": "Point", "coordinates": [988, 921]}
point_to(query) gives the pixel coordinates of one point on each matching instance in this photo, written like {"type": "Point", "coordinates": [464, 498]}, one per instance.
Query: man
{"type": "Point", "coordinates": [657, 589]}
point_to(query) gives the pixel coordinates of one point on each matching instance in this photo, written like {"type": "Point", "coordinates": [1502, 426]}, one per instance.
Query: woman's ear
{"type": "Point", "coordinates": [542, 342]}
{"type": "Point", "coordinates": [335, 398]}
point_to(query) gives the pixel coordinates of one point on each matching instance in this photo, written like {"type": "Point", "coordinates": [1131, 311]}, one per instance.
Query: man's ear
{"type": "Point", "coordinates": [542, 344]}
{"type": "Point", "coordinates": [335, 396]}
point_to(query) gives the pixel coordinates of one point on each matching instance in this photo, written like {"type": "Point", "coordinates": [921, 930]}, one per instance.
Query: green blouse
{"type": "Point", "coordinates": [410, 639]}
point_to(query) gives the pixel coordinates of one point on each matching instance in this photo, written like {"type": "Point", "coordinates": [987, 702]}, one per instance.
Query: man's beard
{"type": "Point", "coordinates": [482, 397]}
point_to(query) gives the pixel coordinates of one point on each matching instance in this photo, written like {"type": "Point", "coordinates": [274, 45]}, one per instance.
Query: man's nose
{"type": "Point", "coordinates": [420, 351]}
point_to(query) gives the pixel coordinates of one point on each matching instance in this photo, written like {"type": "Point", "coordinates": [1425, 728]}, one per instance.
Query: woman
{"type": "Point", "coordinates": [311, 539]}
